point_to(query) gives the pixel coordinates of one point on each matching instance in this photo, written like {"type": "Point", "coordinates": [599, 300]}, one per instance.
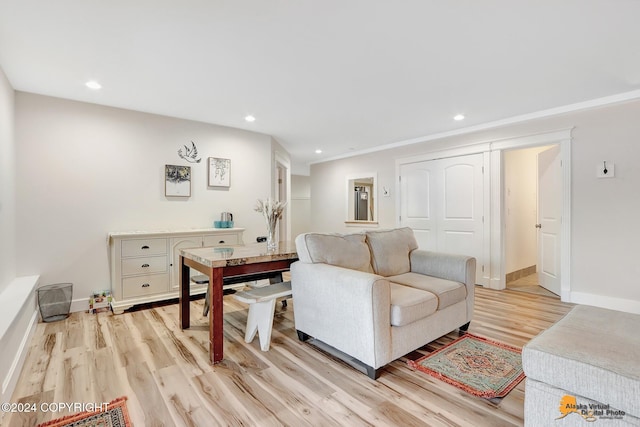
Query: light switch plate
{"type": "Point", "coordinates": [605, 169]}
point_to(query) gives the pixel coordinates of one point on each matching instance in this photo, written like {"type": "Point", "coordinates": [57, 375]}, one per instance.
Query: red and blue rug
{"type": "Point", "coordinates": [477, 365]}
{"type": "Point", "coordinates": [115, 415]}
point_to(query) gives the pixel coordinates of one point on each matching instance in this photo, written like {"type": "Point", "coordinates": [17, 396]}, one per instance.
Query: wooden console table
{"type": "Point", "coordinates": [248, 262]}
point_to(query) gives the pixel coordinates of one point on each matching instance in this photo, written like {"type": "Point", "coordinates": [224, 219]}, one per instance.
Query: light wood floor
{"type": "Point", "coordinates": [530, 284]}
{"type": "Point", "coordinates": [165, 375]}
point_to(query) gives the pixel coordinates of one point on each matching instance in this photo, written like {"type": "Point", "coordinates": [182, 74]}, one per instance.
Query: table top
{"type": "Point", "coordinates": [147, 233]}
{"type": "Point", "coordinates": [227, 256]}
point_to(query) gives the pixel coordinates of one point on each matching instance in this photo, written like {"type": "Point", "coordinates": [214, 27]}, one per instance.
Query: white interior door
{"type": "Point", "coordinates": [442, 201]}
{"type": "Point", "coordinates": [549, 218]}
{"type": "Point", "coordinates": [460, 207]}
{"type": "Point", "coordinates": [416, 207]}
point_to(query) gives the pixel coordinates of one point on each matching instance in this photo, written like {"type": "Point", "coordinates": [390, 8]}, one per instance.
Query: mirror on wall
{"type": "Point", "coordinates": [362, 198]}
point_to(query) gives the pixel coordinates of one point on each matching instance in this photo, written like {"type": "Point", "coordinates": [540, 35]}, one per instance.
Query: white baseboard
{"type": "Point", "coordinates": [81, 304]}
{"type": "Point", "coordinates": [612, 303]}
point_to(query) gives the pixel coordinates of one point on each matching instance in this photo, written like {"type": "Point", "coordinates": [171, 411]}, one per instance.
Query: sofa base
{"type": "Point", "coordinates": [302, 336]}
{"type": "Point", "coordinates": [371, 372]}
{"type": "Point", "coordinates": [465, 327]}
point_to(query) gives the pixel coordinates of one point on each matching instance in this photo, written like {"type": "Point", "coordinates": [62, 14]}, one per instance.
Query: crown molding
{"type": "Point", "coordinates": [579, 106]}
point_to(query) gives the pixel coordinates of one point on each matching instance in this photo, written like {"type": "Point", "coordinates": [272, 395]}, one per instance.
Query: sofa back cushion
{"type": "Point", "coordinates": [342, 250]}
{"type": "Point", "coordinates": [390, 250]}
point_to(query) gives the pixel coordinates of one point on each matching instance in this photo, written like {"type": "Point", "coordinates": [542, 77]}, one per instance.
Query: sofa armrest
{"type": "Point", "coordinates": [347, 309]}
{"type": "Point", "coordinates": [459, 268]}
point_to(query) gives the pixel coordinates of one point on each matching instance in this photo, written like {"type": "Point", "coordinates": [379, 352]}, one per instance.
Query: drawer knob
{"type": "Point", "coordinates": [221, 241]}
{"type": "Point", "coordinates": [145, 265]}
{"type": "Point", "coordinates": [145, 247]}
{"type": "Point", "coordinates": [146, 285]}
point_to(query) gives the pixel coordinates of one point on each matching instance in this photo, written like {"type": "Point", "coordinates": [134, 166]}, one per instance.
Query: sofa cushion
{"type": "Point", "coordinates": [390, 250]}
{"type": "Point", "coordinates": [591, 352]}
{"type": "Point", "coordinates": [448, 292]}
{"type": "Point", "coordinates": [410, 304]}
{"type": "Point", "coordinates": [342, 250]}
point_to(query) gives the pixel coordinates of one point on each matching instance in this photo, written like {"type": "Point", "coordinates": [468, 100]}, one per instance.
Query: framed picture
{"type": "Point", "coordinates": [219, 172]}
{"type": "Point", "coordinates": [177, 181]}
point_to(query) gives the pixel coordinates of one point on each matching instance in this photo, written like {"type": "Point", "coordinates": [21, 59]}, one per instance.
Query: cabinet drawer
{"type": "Point", "coordinates": [142, 247]}
{"type": "Point", "coordinates": [221, 239]}
{"type": "Point", "coordinates": [144, 265]}
{"type": "Point", "coordinates": [145, 285]}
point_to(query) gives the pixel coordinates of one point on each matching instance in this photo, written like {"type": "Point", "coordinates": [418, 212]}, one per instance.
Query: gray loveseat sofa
{"type": "Point", "coordinates": [375, 296]}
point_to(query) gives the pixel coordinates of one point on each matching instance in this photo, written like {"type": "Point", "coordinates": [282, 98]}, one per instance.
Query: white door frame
{"type": "Point", "coordinates": [283, 163]}
{"type": "Point", "coordinates": [498, 245]}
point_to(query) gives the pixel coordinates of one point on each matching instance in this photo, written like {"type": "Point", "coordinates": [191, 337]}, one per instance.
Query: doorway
{"type": "Point", "coordinates": [532, 195]}
{"type": "Point", "coordinates": [282, 192]}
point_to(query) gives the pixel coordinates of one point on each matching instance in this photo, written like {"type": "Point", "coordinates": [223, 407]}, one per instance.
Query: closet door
{"type": "Point", "coordinates": [443, 201]}
{"type": "Point", "coordinates": [416, 205]}
{"type": "Point", "coordinates": [460, 206]}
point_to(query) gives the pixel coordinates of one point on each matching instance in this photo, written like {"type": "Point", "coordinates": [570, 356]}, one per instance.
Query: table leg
{"type": "Point", "coordinates": [183, 278]}
{"type": "Point", "coordinates": [216, 333]}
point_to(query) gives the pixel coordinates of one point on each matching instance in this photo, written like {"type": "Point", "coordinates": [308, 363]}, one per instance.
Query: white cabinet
{"type": "Point", "coordinates": [144, 265]}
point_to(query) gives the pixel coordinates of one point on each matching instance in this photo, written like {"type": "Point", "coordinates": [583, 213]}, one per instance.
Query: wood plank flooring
{"type": "Point", "coordinates": [530, 284]}
{"type": "Point", "coordinates": [165, 374]}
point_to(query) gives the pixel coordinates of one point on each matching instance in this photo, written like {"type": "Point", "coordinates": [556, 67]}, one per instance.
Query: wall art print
{"type": "Point", "coordinates": [177, 181]}
{"type": "Point", "coordinates": [219, 172]}
{"type": "Point", "coordinates": [189, 154]}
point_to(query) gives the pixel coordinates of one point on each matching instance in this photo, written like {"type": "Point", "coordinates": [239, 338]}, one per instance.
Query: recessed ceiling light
{"type": "Point", "coordinates": [318, 151]}
{"type": "Point", "coordinates": [92, 84]}
{"type": "Point", "coordinates": [459, 117]}
{"type": "Point", "coordinates": [250, 118]}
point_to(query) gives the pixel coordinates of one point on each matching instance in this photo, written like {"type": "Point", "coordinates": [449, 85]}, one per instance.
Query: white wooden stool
{"type": "Point", "coordinates": [262, 304]}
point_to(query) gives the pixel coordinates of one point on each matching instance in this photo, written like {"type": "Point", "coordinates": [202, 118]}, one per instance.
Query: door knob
{"type": "Point", "coordinates": [538, 225]}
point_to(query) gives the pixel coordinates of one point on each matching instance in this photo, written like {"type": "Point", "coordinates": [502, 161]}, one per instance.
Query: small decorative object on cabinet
{"type": "Point", "coordinates": [144, 265]}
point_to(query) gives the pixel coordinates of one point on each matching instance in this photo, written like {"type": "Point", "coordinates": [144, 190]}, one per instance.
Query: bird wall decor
{"type": "Point", "coordinates": [190, 154]}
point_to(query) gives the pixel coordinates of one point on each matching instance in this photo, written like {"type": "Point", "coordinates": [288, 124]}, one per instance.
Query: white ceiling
{"type": "Point", "coordinates": [340, 75]}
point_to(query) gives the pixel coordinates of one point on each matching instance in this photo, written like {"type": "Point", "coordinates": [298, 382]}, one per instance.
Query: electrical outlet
{"type": "Point", "coordinates": [605, 169]}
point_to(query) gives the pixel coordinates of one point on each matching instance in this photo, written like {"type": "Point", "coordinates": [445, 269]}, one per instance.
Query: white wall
{"type": "Point", "coordinates": [300, 205]}
{"type": "Point", "coordinates": [84, 170]}
{"type": "Point", "coordinates": [7, 184]}
{"type": "Point", "coordinates": [521, 194]}
{"type": "Point", "coordinates": [329, 184]}
{"type": "Point", "coordinates": [18, 313]}
{"type": "Point", "coordinates": [604, 266]}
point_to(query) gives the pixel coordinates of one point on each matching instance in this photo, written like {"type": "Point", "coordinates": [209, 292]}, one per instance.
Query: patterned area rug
{"type": "Point", "coordinates": [477, 365]}
{"type": "Point", "coordinates": [116, 415]}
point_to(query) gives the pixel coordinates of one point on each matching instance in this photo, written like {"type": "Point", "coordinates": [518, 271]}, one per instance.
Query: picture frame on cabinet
{"type": "Point", "coordinates": [219, 172]}
{"type": "Point", "coordinates": [177, 181]}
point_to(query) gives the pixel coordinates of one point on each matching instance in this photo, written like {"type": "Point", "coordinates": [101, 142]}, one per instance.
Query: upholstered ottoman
{"type": "Point", "coordinates": [586, 367]}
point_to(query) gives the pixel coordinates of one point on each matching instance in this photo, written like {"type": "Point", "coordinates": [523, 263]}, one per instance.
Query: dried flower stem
{"type": "Point", "coordinates": [271, 211]}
